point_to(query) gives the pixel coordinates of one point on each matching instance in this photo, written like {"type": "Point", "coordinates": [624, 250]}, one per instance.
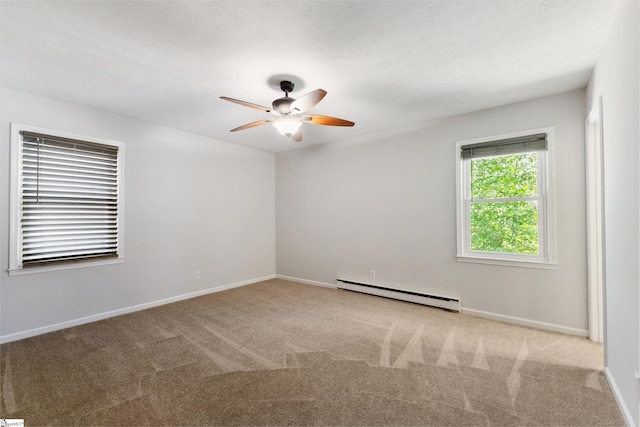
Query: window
{"type": "Point", "coordinates": [66, 200]}
{"type": "Point", "coordinates": [505, 199]}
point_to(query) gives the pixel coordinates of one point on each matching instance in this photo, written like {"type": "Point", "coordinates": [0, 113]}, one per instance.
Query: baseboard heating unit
{"type": "Point", "coordinates": [447, 303]}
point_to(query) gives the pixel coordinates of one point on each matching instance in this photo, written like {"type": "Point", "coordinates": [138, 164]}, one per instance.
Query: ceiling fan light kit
{"type": "Point", "coordinates": [289, 122]}
{"type": "Point", "coordinates": [287, 126]}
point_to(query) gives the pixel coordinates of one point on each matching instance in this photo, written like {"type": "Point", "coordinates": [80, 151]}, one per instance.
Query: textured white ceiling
{"type": "Point", "coordinates": [384, 64]}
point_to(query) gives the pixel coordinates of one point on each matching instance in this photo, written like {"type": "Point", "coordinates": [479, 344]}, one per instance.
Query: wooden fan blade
{"type": "Point", "coordinates": [251, 125]}
{"type": "Point", "coordinates": [326, 120]}
{"type": "Point", "coordinates": [297, 137]}
{"type": "Point", "coordinates": [247, 104]}
{"type": "Point", "coordinates": [306, 102]}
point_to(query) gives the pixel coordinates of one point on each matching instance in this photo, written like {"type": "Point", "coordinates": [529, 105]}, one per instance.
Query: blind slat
{"type": "Point", "coordinates": [41, 190]}
{"type": "Point", "coordinates": [68, 255]}
{"type": "Point", "coordinates": [64, 156]}
{"type": "Point", "coordinates": [46, 164]}
{"type": "Point", "coordinates": [61, 231]}
{"type": "Point", "coordinates": [57, 245]}
{"type": "Point", "coordinates": [30, 177]}
{"type": "Point", "coordinates": [76, 236]}
{"type": "Point", "coordinates": [42, 149]}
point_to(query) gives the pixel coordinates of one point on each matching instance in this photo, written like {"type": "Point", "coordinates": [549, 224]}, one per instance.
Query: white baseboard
{"type": "Point", "coordinates": [626, 414]}
{"type": "Point", "coordinates": [95, 317]}
{"type": "Point", "coordinates": [308, 282]}
{"type": "Point", "coordinates": [527, 322]}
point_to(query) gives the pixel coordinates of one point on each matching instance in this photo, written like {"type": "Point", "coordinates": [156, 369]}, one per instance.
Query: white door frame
{"type": "Point", "coordinates": [595, 223]}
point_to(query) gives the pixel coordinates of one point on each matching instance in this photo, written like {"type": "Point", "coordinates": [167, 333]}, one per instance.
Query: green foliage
{"type": "Point", "coordinates": [504, 226]}
{"type": "Point", "coordinates": [505, 176]}
{"type": "Point", "coordinates": [510, 227]}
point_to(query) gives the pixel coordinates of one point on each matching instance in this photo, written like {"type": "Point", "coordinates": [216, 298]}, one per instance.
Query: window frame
{"type": "Point", "coordinates": [546, 207]}
{"type": "Point", "coordinates": [15, 214]}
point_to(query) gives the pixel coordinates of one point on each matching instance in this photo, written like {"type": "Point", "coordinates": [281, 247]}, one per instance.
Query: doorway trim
{"type": "Point", "coordinates": [594, 172]}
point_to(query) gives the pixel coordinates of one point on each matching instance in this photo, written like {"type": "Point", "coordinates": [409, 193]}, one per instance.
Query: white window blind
{"type": "Point", "coordinates": [69, 200]}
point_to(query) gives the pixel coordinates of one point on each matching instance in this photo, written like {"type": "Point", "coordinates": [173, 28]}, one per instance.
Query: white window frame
{"type": "Point", "coordinates": [546, 207]}
{"type": "Point", "coordinates": [15, 235]}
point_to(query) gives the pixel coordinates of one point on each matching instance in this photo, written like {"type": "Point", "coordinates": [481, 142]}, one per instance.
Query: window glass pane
{"type": "Point", "coordinates": [506, 227]}
{"type": "Point", "coordinates": [504, 176]}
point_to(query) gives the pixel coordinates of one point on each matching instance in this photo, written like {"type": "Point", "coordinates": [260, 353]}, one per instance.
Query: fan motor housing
{"type": "Point", "coordinates": [283, 105]}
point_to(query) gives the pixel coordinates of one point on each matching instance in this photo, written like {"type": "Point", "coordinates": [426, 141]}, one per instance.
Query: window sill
{"type": "Point", "coordinates": [508, 263]}
{"type": "Point", "coordinates": [60, 267]}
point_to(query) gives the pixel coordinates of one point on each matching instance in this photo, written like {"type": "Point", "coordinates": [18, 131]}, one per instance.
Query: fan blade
{"type": "Point", "coordinates": [306, 102]}
{"type": "Point", "coordinates": [326, 120]}
{"type": "Point", "coordinates": [297, 137]}
{"type": "Point", "coordinates": [251, 125]}
{"type": "Point", "coordinates": [247, 104]}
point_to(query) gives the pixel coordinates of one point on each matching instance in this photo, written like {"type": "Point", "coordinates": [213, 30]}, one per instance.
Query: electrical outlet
{"type": "Point", "coordinates": [372, 275]}
{"type": "Point", "coordinates": [197, 275]}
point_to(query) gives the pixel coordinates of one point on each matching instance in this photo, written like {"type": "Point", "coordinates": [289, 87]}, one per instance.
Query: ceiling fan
{"type": "Point", "coordinates": [289, 111]}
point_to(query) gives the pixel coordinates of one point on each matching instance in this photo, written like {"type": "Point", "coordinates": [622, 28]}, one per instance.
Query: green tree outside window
{"type": "Point", "coordinates": [500, 220]}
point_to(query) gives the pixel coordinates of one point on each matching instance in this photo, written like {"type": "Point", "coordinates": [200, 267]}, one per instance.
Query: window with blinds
{"type": "Point", "coordinates": [505, 199]}
{"type": "Point", "coordinates": [68, 200]}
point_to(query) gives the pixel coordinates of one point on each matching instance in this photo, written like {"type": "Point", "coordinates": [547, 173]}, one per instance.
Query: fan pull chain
{"type": "Point", "coordinates": [288, 148]}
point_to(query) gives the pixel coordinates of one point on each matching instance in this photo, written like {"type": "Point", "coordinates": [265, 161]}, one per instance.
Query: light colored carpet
{"type": "Point", "coordinates": [283, 353]}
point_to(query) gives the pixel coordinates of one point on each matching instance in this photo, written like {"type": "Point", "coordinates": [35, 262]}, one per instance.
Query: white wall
{"type": "Point", "coordinates": [616, 79]}
{"type": "Point", "coordinates": [191, 203]}
{"type": "Point", "coordinates": [387, 203]}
